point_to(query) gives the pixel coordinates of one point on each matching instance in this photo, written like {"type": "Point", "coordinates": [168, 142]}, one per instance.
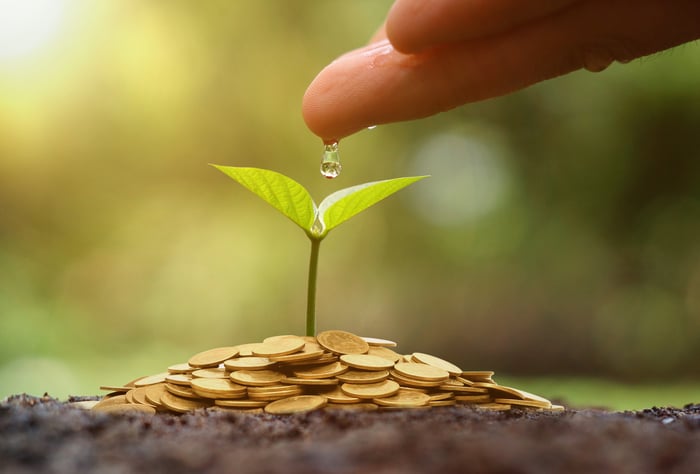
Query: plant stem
{"type": "Point", "coordinates": [311, 294]}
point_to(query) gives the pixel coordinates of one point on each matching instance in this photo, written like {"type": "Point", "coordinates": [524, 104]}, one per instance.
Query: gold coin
{"type": "Point", "coordinates": [422, 358]}
{"type": "Point", "coordinates": [484, 384]}
{"type": "Point", "coordinates": [442, 403]}
{"type": "Point", "coordinates": [478, 375]}
{"type": "Point", "coordinates": [499, 390]}
{"type": "Point", "coordinates": [106, 401]}
{"type": "Point", "coordinates": [248, 363]}
{"type": "Point", "coordinates": [493, 406]}
{"type": "Point", "coordinates": [416, 389]}
{"type": "Point", "coordinates": [329, 356]}
{"type": "Point", "coordinates": [246, 350]}
{"type": "Point", "coordinates": [272, 388]}
{"type": "Point", "coordinates": [363, 376]}
{"type": "Point", "coordinates": [326, 358]}
{"type": "Point", "coordinates": [116, 388]}
{"type": "Point", "coordinates": [404, 398]}
{"type": "Point", "coordinates": [308, 352]}
{"type": "Point", "coordinates": [352, 406]}
{"type": "Point", "coordinates": [298, 404]}
{"type": "Point", "coordinates": [300, 381]}
{"type": "Point", "coordinates": [384, 353]}
{"type": "Point", "coordinates": [411, 382]}
{"type": "Point", "coordinates": [217, 388]}
{"type": "Point", "coordinates": [257, 378]}
{"type": "Point", "coordinates": [292, 390]}
{"type": "Point", "coordinates": [366, 361]}
{"type": "Point", "coordinates": [277, 396]}
{"type": "Point", "coordinates": [464, 381]}
{"type": "Point", "coordinates": [464, 390]}
{"type": "Point", "coordinates": [532, 396]}
{"type": "Point", "coordinates": [454, 381]}
{"type": "Point", "coordinates": [237, 410]}
{"type": "Point", "coordinates": [342, 342]}
{"type": "Point", "coordinates": [126, 408]}
{"type": "Point", "coordinates": [130, 396]}
{"type": "Point", "coordinates": [312, 346]}
{"type": "Point", "coordinates": [377, 342]}
{"type": "Point", "coordinates": [322, 372]}
{"type": "Point", "coordinates": [473, 398]}
{"type": "Point", "coordinates": [150, 380]}
{"type": "Point", "coordinates": [556, 408]}
{"type": "Point", "coordinates": [421, 371]}
{"type": "Point", "coordinates": [180, 391]}
{"type": "Point", "coordinates": [371, 390]}
{"type": "Point", "coordinates": [240, 403]}
{"type": "Point", "coordinates": [278, 348]}
{"type": "Point", "coordinates": [212, 373]}
{"type": "Point", "coordinates": [180, 368]}
{"type": "Point", "coordinates": [182, 405]}
{"type": "Point", "coordinates": [282, 337]}
{"type": "Point", "coordinates": [523, 403]}
{"type": "Point", "coordinates": [139, 394]}
{"type": "Point", "coordinates": [336, 395]}
{"type": "Point", "coordinates": [154, 392]}
{"type": "Point", "coordinates": [179, 379]}
{"type": "Point", "coordinates": [440, 396]}
{"type": "Point", "coordinates": [213, 357]}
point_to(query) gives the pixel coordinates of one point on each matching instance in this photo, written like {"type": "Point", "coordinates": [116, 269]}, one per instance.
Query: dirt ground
{"type": "Point", "coordinates": [43, 435]}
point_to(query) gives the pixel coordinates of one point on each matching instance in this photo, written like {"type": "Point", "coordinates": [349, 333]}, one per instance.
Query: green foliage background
{"type": "Point", "coordinates": [559, 233]}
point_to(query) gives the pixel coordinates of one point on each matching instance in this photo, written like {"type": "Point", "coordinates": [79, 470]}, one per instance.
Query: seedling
{"type": "Point", "coordinates": [295, 202]}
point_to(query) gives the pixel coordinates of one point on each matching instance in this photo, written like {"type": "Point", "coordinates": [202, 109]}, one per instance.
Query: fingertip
{"type": "Point", "coordinates": [313, 112]}
{"type": "Point", "coordinates": [323, 111]}
{"type": "Point", "coordinates": [377, 85]}
{"type": "Point", "coordinates": [344, 96]}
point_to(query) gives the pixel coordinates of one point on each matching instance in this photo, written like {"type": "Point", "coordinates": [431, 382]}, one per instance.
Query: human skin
{"type": "Point", "coordinates": [432, 56]}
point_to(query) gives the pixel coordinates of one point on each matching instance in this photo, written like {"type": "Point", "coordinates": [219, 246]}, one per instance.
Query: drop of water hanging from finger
{"type": "Point", "coordinates": [330, 164]}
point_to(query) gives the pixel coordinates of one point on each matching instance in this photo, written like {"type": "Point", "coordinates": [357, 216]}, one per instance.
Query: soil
{"type": "Point", "coordinates": [47, 436]}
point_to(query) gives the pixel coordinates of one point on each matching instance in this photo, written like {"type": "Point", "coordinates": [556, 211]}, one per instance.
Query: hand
{"type": "Point", "coordinates": [432, 56]}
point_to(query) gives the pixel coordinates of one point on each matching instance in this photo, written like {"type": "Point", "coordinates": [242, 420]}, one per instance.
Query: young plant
{"type": "Point", "coordinates": [295, 202]}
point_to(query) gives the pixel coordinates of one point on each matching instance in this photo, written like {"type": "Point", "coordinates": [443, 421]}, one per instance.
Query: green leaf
{"type": "Point", "coordinates": [281, 192]}
{"type": "Point", "coordinates": [342, 205]}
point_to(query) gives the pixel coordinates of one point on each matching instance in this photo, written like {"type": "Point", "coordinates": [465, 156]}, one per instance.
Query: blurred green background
{"type": "Point", "coordinates": [557, 242]}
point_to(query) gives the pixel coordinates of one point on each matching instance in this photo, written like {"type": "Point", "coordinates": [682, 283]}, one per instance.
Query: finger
{"type": "Point", "coordinates": [414, 25]}
{"type": "Point", "coordinates": [378, 84]}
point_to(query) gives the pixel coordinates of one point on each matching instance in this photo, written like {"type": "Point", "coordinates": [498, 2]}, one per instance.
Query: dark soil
{"type": "Point", "coordinates": [42, 435]}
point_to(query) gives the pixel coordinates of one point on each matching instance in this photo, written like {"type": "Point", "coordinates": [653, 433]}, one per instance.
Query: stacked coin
{"type": "Point", "coordinates": [294, 374]}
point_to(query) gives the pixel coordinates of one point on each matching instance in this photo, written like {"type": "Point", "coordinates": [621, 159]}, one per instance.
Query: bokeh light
{"type": "Point", "coordinates": [27, 25]}
{"type": "Point", "coordinates": [470, 177]}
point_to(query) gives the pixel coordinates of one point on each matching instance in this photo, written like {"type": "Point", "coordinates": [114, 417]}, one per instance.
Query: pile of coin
{"type": "Point", "coordinates": [293, 374]}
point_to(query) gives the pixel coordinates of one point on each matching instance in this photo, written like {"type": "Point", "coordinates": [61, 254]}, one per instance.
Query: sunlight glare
{"type": "Point", "coordinates": [27, 25]}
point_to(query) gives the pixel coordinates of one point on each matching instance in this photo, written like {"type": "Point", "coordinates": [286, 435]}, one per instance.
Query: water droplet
{"type": "Point", "coordinates": [371, 127]}
{"type": "Point", "coordinates": [330, 164]}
